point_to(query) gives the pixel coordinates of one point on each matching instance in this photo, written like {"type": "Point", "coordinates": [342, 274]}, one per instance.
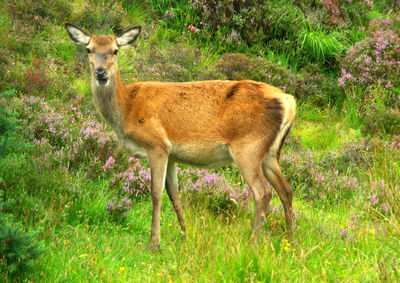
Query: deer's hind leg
{"type": "Point", "coordinates": [249, 158]}
{"type": "Point", "coordinates": [274, 175]}
{"type": "Point", "coordinates": [173, 193]}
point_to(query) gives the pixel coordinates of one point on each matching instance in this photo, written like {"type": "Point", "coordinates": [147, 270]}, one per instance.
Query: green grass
{"type": "Point", "coordinates": [83, 243]}
{"type": "Point", "coordinates": [318, 45]}
{"type": "Point", "coordinates": [217, 248]}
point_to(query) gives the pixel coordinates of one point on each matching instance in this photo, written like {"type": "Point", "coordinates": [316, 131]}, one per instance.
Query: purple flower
{"type": "Point", "coordinates": [373, 199]}
{"type": "Point", "coordinates": [110, 206]}
{"type": "Point", "coordinates": [109, 164]}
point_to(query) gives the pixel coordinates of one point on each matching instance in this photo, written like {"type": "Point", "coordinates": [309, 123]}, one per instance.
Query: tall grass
{"type": "Point", "coordinates": [318, 45]}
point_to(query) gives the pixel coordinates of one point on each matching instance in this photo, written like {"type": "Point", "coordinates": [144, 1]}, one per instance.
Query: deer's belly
{"type": "Point", "coordinates": [201, 155]}
{"type": "Point", "coordinates": [133, 148]}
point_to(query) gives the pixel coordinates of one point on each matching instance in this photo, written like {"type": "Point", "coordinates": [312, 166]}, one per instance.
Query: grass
{"type": "Point", "coordinates": [216, 249]}
{"type": "Point", "coordinates": [343, 232]}
{"type": "Point", "coordinates": [319, 45]}
{"type": "Point", "coordinates": [83, 243]}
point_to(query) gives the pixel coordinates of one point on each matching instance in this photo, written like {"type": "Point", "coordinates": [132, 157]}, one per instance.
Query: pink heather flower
{"type": "Point", "coordinates": [389, 85]}
{"type": "Point", "coordinates": [341, 82]}
{"type": "Point", "coordinates": [384, 207]}
{"type": "Point", "coordinates": [373, 199]}
{"type": "Point", "coordinates": [109, 164]}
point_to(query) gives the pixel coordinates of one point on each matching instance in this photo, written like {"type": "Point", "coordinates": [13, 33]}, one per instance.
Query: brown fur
{"type": "Point", "coordinates": [208, 123]}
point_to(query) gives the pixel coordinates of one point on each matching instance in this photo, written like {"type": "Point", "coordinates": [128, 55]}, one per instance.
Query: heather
{"type": "Point", "coordinates": [74, 206]}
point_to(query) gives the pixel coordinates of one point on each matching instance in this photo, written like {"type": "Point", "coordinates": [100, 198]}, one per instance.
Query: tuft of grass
{"type": "Point", "coordinates": [318, 45]}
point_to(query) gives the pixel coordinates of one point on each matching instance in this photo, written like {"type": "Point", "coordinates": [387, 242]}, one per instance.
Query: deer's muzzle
{"type": "Point", "coordinates": [100, 75]}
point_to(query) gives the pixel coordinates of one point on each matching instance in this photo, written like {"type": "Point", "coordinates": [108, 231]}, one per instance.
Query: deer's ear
{"type": "Point", "coordinates": [77, 34]}
{"type": "Point", "coordinates": [129, 36]}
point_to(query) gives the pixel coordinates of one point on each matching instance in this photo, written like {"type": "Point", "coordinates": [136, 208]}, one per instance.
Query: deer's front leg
{"type": "Point", "coordinates": [158, 160]}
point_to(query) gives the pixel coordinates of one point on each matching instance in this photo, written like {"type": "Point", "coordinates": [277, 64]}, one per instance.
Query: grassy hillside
{"type": "Point", "coordinates": [75, 207]}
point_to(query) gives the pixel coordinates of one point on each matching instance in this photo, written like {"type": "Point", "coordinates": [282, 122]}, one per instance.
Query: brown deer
{"type": "Point", "coordinates": [207, 124]}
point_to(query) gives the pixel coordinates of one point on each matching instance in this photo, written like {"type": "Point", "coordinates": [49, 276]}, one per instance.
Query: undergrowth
{"type": "Point", "coordinates": [66, 184]}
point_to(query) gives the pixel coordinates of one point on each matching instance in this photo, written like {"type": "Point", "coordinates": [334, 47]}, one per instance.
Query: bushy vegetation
{"type": "Point", "coordinates": [17, 249]}
{"type": "Point", "coordinates": [65, 182]}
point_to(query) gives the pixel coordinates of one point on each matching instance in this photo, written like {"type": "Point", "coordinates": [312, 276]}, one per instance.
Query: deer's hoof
{"type": "Point", "coordinates": [152, 246]}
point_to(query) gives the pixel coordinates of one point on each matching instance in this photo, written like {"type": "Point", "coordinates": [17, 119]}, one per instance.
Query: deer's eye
{"type": "Point", "coordinates": [88, 50]}
{"type": "Point", "coordinates": [115, 52]}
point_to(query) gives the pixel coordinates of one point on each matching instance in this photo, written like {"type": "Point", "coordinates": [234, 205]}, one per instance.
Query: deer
{"type": "Point", "coordinates": [202, 123]}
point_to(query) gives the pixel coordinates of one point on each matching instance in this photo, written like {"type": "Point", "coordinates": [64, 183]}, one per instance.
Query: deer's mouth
{"type": "Point", "coordinates": [103, 81]}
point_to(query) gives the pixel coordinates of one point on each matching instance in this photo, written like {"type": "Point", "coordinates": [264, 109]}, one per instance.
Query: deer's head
{"type": "Point", "coordinates": [102, 50]}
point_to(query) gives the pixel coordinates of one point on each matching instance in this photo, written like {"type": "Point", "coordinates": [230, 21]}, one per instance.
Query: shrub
{"type": "Point", "coordinates": [171, 72]}
{"type": "Point", "coordinates": [374, 110]}
{"type": "Point", "coordinates": [178, 54]}
{"type": "Point", "coordinates": [129, 185]}
{"type": "Point", "coordinates": [214, 190]}
{"type": "Point", "coordinates": [347, 13]}
{"type": "Point", "coordinates": [6, 68]}
{"type": "Point", "coordinates": [66, 137]}
{"type": "Point", "coordinates": [318, 180]}
{"type": "Point", "coordinates": [40, 13]}
{"type": "Point", "coordinates": [376, 58]}
{"type": "Point", "coordinates": [381, 119]}
{"type": "Point", "coordinates": [310, 84]}
{"type": "Point", "coordinates": [371, 77]}
{"type": "Point", "coordinates": [242, 23]}
{"type": "Point", "coordinates": [101, 17]}
{"type": "Point", "coordinates": [211, 187]}
{"type": "Point", "coordinates": [8, 124]}
{"type": "Point", "coordinates": [36, 78]}
{"type": "Point", "coordinates": [178, 63]}
{"type": "Point", "coordinates": [240, 67]}
{"type": "Point", "coordinates": [18, 249]}
{"type": "Point", "coordinates": [334, 12]}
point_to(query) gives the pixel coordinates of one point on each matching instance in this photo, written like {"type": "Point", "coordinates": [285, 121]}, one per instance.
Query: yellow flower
{"type": "Point", "coordinates": [121, 268]}
{"type": "Point", "coordinates": [170, 224]}
{"type": "Point", "coordinates": [372, 231]}
{"type": "Point", "coordinates": [286, 248]}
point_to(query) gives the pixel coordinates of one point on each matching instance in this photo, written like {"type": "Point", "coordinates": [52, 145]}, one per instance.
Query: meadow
{"type": "Point", "coordinates": [74, 206]}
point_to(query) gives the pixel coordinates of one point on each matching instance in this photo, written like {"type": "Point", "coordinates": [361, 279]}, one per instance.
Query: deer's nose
{"type": "Point", "coordinates": [100, 73]}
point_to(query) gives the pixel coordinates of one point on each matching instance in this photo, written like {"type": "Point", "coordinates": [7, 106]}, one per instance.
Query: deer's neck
{"type": "Point", "coordinates": [105, 99]}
